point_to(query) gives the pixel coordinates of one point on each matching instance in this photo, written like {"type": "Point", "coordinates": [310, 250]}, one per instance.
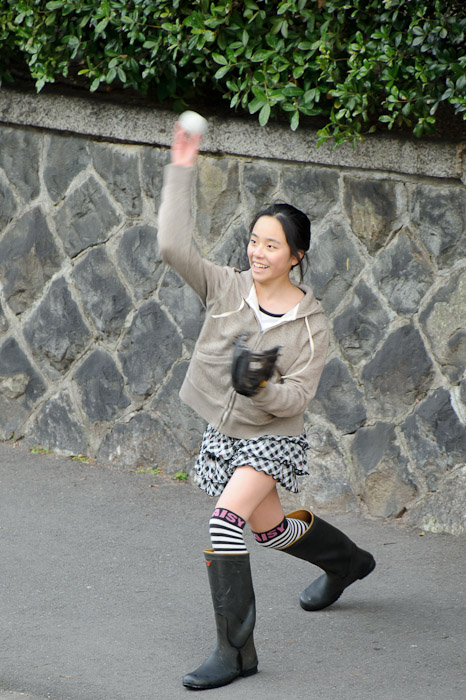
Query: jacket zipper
{"type": "Point", "coordinates": [228, 409]}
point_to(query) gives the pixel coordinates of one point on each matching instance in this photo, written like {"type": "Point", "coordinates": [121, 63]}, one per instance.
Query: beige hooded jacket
{"type": "Point", "coordinates": [231, 309]}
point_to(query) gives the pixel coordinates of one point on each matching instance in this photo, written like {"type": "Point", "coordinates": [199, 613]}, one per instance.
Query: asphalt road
{"type": "Point", "coordinates": [104, 596]}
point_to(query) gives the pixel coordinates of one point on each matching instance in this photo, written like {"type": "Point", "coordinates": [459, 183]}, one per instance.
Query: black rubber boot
{"type": "Point", "coordinates": [235, 616]}
{"type": "Point", "coordinates": [327, 547]}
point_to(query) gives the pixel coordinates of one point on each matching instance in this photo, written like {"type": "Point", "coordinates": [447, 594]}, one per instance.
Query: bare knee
{"type": "Point", "coordinates": [246, 490]}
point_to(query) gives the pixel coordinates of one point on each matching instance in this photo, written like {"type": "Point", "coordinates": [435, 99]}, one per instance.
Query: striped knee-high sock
{"type": "Point", "coordinates": [226, 531]}
{"type": "Point", "coordinates": [284, 534]}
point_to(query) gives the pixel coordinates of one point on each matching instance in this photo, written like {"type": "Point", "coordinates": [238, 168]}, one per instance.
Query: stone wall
{"type": "Point", "coordinates": [96, 333]}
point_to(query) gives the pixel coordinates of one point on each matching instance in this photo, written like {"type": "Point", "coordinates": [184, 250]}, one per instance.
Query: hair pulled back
{"type": "Point", "coordinates": [296, 226]}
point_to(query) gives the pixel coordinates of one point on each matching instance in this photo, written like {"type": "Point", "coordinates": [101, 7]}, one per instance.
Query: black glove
{"type": "Point", "coordinates": [251, 370]}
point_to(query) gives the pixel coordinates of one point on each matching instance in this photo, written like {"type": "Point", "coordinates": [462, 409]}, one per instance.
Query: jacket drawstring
{"type": "Point", "coordinates": [230, 313]}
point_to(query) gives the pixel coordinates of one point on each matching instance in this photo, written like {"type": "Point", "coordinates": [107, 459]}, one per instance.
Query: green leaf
{"type": "Point", "coordinates": [264, 115]}
{"type": "Point", "coordinates": [218, 58]}
{"type": "Point", "coordinates": [292, 91]}
{"type": "Point", "coordinates": [294, 121]}
{"type": "Point", "coordinates": [283, 7]}
{"type": "Point", "coordinates": [461, 82]}
{"type": "Point", "coordinates": [262, 55]}
{"type": "Point", "coordinates": [255, 105]}
{"type": "Point", "coordinates": [101, 26]}
{"type": "Point", "coordinates": [221, 72]}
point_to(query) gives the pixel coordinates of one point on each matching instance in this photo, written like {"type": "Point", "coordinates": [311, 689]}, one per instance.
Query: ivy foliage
{"type": "Point", "coordinates": [358, 65]}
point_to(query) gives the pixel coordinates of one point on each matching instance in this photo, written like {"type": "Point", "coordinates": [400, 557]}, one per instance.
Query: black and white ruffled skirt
{"type": "Point", "coordinates": [283, 457]}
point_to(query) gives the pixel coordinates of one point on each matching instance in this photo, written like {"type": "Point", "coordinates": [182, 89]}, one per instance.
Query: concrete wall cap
{"type": "Point", "coordinates": [94, 116]}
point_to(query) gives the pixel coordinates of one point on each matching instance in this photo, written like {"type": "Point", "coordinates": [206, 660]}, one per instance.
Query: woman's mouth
{"type": "Point", "coordinates": [258, 265]}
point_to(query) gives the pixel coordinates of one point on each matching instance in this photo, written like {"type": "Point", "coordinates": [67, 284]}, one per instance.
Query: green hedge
{"type": "Point", "coordinates": [358, 66]}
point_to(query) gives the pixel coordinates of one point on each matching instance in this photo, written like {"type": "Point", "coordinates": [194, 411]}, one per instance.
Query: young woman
{"type": "Point", "coordinates": [252, 443]}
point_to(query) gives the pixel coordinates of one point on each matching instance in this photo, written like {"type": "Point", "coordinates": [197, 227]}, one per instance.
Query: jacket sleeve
{"type": "Point", "coordinates": [292, 396]}
{"type": "Point", "coordinates": [175, 233]}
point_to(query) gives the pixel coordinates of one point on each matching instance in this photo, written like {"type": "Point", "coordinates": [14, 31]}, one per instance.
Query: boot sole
{"type": "Point", "coordinates": [243, 674]}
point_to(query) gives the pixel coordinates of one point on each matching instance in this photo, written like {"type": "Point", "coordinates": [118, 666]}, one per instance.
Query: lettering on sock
{"type": "Point", "coordinates": [228, 516]}
{"type": "Point", "coordinates": [271, 534]}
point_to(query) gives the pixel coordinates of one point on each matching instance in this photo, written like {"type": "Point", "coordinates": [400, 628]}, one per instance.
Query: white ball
{"type": "Point", "coordinates": [193, 122]}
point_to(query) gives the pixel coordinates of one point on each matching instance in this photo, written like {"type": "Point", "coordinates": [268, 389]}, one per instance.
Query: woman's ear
{"type": "Point", "coordinates": [297, 259]}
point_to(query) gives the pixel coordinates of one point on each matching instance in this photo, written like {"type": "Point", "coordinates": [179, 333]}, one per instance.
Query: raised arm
{"type": "Point", "coordinates": [175, 224]}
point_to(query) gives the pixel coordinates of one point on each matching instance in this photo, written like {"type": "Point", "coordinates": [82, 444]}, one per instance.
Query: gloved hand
{"type": "Point", "coordinates": [251, 370]}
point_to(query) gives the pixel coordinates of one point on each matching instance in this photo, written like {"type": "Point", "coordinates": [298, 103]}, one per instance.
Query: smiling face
{"type": "Point", "coordinates": [268, 251]}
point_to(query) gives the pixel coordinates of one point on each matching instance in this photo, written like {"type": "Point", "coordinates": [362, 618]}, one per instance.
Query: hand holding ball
{"type": "Point", "coordinates": [193, 123]}
{"type": "Point", "coordinates": [189, 129]}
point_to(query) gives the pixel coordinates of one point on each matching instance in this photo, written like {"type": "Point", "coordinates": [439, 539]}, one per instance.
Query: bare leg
{"type": "Point", "coordinates": [268, 514]}
{"type": "Point", "coordinates": [253, 496]}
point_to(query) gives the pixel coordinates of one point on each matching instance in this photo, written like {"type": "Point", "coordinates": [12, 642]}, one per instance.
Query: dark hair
{"type": "Point", "coordinates": [296, 226]}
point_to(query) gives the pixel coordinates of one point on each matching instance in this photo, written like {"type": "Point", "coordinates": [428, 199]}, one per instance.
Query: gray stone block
{"type": "Point", "coordinates": [399, 375]}
{"type": "Point", "coordinates": [375, 445]}
{"type": "Point", "coordinates": [217, 196]}
{"type": "Point", "coordinates": [386, 494]}
{"type": "Point", "coordinates": [66, 157]}
{"type": "Point", "coordinates": [103, 296]}
{"type": "Point", "coordinates": [102, 387]}
{"type": "Point", "coordinates": [360, 327]}
{"type": "Point", "coordinates": [149, 349]}
{"type": "Point", "coordinates": [4, 325]}
{"type": "Point", "coordinates": [183, 305]}
{"type": "Point", "coordinates": [381, 471]}
{"type": "Point", "coordinates": [436, 437]}
{"type": "Point", "coordinates": [142, 441]}
{"type": "Point", "coordinates": [371, 208]}
{"type": "Point", "coordinates": [403, 274]}
{"type": "Point", "coordinates": [338, 398]}
{"type": "Point", "coordinates": [259, 188]}
{"type": "Point", "coordinates": [28, 259]}
{"type": "Point", "coordinates": [20, 387]}
{"type": "Point", "coordinates": [440, 215]}
{"type": "Point", "coordinates": [444, 322]}
{"type": "Point", "coordinates": [19, 159]}
{"type": "Point", "coordinates": [443, 510]}
{"type": "Point", "coordinates": [183, 425]}
{"type": "Point", "coordinates": [58, 428]}
{"type": "Point", "coordinates": [329, 481]}
{"type": "Point", "coordinates": [8, 206]}
{"type": "Point", "coordinates": [334, 264]}
{"type": "Point", "coordinates": [86, 217]}
{"type": "Point", "coordinates": [153, 162]}
{"type": "Point", "coordinates": [232, 248]}
{"type": "Point", "coordinates": [55, 331]}
{"type": "Point", "coordinates": [120, 170]}
{"type": "Point", "coordinates": [312, 189]}
{"type": "Point", "coordinates": [139, 259]}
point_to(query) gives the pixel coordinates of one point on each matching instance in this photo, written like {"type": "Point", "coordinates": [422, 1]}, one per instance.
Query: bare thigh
{"type": "Point", "coordinates": [253, 496]}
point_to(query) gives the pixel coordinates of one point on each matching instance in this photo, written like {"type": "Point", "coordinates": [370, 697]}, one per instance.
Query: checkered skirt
{"type": "Point", "coordinates": [283, 457]}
